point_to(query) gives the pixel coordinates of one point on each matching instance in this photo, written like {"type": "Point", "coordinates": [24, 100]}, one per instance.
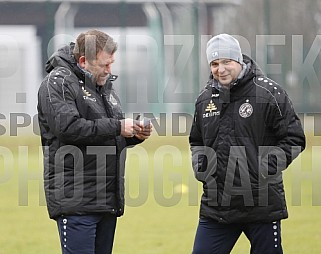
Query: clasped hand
{"type": "Point", "coordinates": [141, 129]}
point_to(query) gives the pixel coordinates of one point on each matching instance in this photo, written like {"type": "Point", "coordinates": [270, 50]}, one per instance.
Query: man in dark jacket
{"type": "Point", "coordinates": [245, 133]}
{"type": "Point", "coordinates": [84, 136]}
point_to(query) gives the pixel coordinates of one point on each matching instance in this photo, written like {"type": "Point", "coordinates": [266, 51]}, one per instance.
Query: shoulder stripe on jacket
{"type": "Point", "coordinates": [277, 104]}
{"type": "Point", "coordinates": [57, 72]}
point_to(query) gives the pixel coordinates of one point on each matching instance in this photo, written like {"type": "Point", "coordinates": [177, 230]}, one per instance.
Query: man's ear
{"type": "Point", "coordinates": [82, 61]}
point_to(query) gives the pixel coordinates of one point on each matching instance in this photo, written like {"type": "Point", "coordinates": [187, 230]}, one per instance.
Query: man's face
{"type": "Point", "coordinates": [100, 68]}
{"type": "Point", "coordinates": [225, 70]}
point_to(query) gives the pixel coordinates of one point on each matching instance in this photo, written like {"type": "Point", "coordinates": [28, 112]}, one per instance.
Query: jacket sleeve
{"type": "Point", "coordinates": [58, 110]}
{"type": "Point", "coordinates": [196, 144]}
{"type": "Point", "coordinates": [286, 126]}
{"type": "Point", "coordinates": [133, 141]}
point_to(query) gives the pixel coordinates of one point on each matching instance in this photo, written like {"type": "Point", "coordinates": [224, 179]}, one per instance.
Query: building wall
{"type": "Point", "coordinates": [20, 69]}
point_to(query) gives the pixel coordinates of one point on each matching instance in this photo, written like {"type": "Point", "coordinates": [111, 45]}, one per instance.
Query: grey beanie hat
{"type": "Point", "coordinates": [223, 46]}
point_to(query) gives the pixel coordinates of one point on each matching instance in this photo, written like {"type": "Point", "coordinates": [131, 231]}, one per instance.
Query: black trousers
{"type": "Point", "coordinates": [216, 238]}
{"type": "Point", "coordinates": [87, 234]}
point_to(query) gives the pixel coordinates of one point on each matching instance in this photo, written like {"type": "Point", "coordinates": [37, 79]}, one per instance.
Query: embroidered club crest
{"type": "Point", "coordinates": [113, 100]}
{"type": "Point", "coordinates": [246, 110]}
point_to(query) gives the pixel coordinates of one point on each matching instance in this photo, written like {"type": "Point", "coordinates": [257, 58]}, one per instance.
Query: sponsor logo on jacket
{"type": "Point", "coordinates": [87, 95]}
{"type": "Point", "coordinates": [211, 110]}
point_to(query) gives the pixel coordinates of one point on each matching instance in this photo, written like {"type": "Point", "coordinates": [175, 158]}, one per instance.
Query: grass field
{"type": "Point", "coordinates": [161, 216]}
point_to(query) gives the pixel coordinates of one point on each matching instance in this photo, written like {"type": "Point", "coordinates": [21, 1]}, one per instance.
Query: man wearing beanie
{"type": "Point", "coordinates": [244, 134]}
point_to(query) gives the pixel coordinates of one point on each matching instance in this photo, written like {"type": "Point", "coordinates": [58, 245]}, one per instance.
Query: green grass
{"type": "Point", "coordinates": [158, 219]}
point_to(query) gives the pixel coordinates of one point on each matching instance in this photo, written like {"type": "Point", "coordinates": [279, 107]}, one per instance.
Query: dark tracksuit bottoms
{"type": "Point", "coordinates": [217, 238]}
{"type": "Point", "coordinates": [87, 234]}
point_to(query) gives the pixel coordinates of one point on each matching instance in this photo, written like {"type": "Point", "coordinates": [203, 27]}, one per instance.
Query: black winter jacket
{"type": "Point", "coordinates": [84, 154]}
{"type": "Point", "coordinates": [241, 141]}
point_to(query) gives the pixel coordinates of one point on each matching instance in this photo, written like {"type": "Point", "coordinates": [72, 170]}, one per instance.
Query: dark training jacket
{"type": "Point", "coordinates": [241, 140]}
{"type": "Point", "coordinates": [84, 154]}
